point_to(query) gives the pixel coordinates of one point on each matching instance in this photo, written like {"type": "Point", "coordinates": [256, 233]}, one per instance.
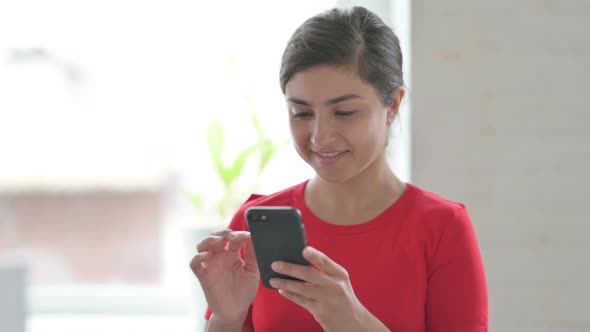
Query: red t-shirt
{"type": "Point", "coordinates": [416, 266]}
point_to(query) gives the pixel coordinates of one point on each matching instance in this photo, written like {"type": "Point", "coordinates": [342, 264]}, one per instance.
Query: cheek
{"type": "Point", "coordinates": [380, 126]}
{"type": "Point", "coordinates": [299, 133]}
{"type": "Point", "coordinates": [370, 136]}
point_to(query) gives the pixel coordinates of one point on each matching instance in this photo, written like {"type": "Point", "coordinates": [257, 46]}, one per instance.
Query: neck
{"type": "Point", "coordinates": [362, 197]}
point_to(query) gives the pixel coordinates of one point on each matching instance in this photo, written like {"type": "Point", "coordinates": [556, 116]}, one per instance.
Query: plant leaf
{"type": "Point", "coordinates": [235, 170]}
{"type": "Point", "coordinates": [195, 198]}
{"type": "Point", "coordinates": [215, 142]}
{"type": "Point", "coordinates": [257, 127]}
{"type": "Point", "coordinates": [221, 209]}
{"type": "Point", "coordinates": [267, 150]}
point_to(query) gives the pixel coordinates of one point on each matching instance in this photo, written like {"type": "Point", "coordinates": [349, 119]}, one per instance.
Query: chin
{"type": "Point", "coordinates": [332, 178]}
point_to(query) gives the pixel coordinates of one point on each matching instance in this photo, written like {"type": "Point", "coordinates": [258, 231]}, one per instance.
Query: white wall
{"type": "Point", "coordinates": [500, 121]}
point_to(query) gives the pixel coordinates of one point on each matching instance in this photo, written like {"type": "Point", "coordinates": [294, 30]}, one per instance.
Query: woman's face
{"type": "Point", "coordinates": [338, 123]}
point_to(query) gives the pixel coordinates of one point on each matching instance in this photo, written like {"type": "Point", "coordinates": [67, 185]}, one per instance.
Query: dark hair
{"type": "Point", "coordinates": [354, 37]}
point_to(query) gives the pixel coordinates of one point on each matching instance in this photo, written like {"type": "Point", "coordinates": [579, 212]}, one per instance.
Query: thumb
{"type": "Point", "coordinates": [324, 263]}
{"type": "Point", "coordinates": [251, 264]}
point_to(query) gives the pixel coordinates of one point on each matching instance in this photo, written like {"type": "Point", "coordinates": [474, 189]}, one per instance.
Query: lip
{"type": "Point", "coordinates": [328, 157]}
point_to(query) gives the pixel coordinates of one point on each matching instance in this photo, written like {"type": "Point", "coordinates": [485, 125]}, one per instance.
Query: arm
{"type": "Point", "coordinates": [457, 298]}
{"type": "Point", "coordinates": [214, 325]}
{"type": "Point", "coordinates": [326, 292]}
{"type": "Point", "coordinates": [248, 262]}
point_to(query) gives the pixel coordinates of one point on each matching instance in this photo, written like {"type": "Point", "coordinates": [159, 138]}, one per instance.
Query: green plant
{"type": "Point", "coordinates": [230, 173]}
{"type": "Point", "coordinates": [263, 149]}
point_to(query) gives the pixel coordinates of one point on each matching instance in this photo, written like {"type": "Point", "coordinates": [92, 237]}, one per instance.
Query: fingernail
{"type": "Point", "coordinates": [276, 266]}
{"type": "Point", "coordinates": [274, 283]}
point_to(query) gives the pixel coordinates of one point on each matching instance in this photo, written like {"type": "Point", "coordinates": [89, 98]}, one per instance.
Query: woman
{"type": "Point", "coordinates": [386, 255]}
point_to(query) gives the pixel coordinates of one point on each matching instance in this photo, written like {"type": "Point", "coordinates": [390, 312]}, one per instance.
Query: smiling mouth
{"type": "Point", "coordinates": [329, 154]}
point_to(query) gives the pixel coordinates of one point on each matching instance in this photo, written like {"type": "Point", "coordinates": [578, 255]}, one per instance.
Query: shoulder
{"type": "Point", "coordinates": [285, 197]}
{"type": "Point", "coordinates": [434, 209]}
{"type": "Point", "coordinates": [447, 226]}
{"type": "Point", "coordinates": [282, 197]}
{"type": "Point", "coordinates": [439, 217]}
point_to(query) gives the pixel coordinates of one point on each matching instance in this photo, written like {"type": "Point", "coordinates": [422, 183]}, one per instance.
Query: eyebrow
{"type": "Point", "coordinates": [329, 102]}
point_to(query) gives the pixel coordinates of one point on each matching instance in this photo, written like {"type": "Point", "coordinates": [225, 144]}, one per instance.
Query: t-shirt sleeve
{"type": "Point", "coordinates": [457, 299]}
{"type": "Point", "coordinates": [238, 223]}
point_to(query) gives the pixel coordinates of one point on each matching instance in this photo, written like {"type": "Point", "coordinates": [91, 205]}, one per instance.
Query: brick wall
{"type": "Point", "coordinates": [84, 237]}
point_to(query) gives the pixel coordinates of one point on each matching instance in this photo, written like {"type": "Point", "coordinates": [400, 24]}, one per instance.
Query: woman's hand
{"type": "Point", "coordinates": [229, 281]}
{"type": "Point", "coordinates": [325, 291]}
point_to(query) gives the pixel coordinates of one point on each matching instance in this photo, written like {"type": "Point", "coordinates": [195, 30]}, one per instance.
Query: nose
{"type": "Point", "coordinates": [323, 134]}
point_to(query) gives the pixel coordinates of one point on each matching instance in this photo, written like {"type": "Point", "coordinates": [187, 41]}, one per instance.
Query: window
{"type": "Point", "coordinates": [106, 108]}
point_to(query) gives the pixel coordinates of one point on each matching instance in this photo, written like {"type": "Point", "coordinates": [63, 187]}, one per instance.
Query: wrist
{"type": "Point", "coordinates": [369, 322]}
{"type": "Point", "coordinates": [228, 323]}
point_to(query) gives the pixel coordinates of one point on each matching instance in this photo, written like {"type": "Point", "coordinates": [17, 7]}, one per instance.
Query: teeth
{"type": "Point", "coordinates": [332, 154]}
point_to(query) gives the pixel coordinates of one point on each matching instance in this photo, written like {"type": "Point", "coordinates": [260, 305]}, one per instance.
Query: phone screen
{"type": "Point", "coordinates": [277, 235]}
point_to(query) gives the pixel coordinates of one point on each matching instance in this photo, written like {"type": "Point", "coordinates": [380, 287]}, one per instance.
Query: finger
{"type": "Point", "coordinates": [213, 243]}
{"type": "Point", "coordinates": [298, 299]}
{"type": "Point", "coordinates": [301, 288]}
{"type": "Point", "coordinates": [304, 272]}
{"type": "Point", "coordinates": [223, 233]}
{"type": "Point", "coordinates": [199, 263]}
{"type": "Point", "coordinates": [251, 264]}
{"type": "Point", "coordinates": [324, 263]}
{"type": "Point", "coordinates": [237, 240]}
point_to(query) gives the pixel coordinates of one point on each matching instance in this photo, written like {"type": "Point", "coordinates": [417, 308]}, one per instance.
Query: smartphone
{"type": "Point", "coordinates": [277, 235]}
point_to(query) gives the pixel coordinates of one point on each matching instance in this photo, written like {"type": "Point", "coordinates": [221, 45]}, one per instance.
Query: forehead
{"type": "Point", "coordinates": [319, 83]}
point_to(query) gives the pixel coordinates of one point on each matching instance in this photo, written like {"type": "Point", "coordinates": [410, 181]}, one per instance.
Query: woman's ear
{"type": "Point", "coordinates": [398, 97]}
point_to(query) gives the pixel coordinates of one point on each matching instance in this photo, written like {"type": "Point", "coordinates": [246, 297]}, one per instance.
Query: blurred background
{"type": "Point", "coordinates": [129, 129]}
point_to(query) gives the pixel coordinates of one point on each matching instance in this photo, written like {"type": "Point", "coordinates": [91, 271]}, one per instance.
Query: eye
{"type": "Point", "coordinates": [301, 114]}
{"type": "Point", "coordinates": [344, 113]}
